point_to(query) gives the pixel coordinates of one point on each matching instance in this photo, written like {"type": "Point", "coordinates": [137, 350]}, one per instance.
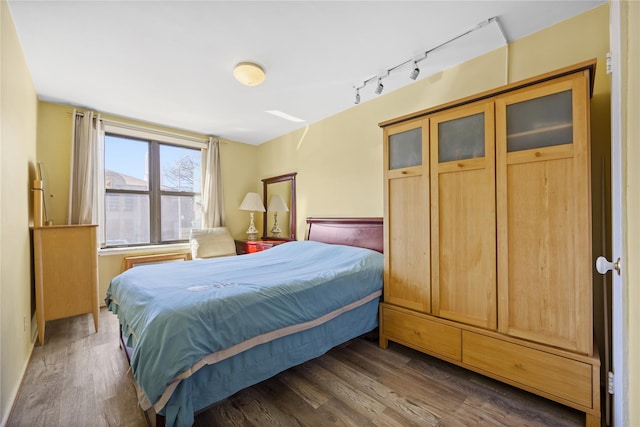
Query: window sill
{"type": "Point", "coordinates": [130, 250]}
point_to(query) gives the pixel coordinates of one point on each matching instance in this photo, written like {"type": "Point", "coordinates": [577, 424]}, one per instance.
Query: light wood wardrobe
{"type": "Point", "coordinates": [488, 236]}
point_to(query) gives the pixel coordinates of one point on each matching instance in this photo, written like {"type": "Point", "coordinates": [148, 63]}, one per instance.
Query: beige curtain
{"type": "Point", "coordinates": [212, 196]}
{"type": "Point", "coordinates": [86, 138]}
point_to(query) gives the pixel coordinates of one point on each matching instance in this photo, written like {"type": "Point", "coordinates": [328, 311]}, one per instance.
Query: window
{"type": "Point", "coordinates": [152, 190]}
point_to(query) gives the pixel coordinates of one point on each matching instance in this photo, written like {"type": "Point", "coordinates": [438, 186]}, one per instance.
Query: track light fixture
{"type": "Point", "coordinates": [415, 71]}
{"type": "Point", "coordinates": [380, 86]}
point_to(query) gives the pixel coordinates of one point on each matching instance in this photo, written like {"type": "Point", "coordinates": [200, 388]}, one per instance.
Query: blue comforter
{"type": "Point", "coordinates": [181, 316]}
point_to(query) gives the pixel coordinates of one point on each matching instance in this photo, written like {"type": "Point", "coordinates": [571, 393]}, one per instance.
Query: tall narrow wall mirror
{"type": "Point", "coordinates": [279, 196]}
{"type": "Point", "coordinates": [40, 189]}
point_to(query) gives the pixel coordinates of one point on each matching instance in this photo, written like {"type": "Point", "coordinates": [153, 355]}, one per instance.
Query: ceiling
{"type": "Point", "coordinates": [171, 62]}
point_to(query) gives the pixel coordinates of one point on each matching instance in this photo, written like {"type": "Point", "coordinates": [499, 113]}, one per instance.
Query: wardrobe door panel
{"type": "Point", "coordinates": [463, 245]}
{"type": "Point", "coordinates": [544, 216]}
{"type": "Point", "coordinates": [407, 271]}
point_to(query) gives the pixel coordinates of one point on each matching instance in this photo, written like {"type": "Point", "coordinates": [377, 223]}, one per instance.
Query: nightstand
{"type": "Point", "coordinates": [251, 246]}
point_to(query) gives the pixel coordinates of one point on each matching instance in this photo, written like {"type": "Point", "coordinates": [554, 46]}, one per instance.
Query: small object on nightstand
{"type": "Point", "coordinates": [251, 246]}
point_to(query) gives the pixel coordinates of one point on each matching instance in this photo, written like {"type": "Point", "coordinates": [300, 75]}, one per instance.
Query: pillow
{"type": "Point", "coordinates": [211, 242]}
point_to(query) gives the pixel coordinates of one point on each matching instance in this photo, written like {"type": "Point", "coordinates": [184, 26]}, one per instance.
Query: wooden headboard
{"type": "Point", "coordinates": [360, 232]}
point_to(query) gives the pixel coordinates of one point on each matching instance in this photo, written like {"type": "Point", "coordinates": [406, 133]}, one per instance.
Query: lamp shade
{"type": "Point", "coordinates": [277, 204]}
{"type": "Point", "coordinates": [252, 202]}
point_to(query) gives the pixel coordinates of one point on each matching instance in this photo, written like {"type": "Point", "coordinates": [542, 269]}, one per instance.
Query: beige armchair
{"type": "Point", "coordinates": [211, 242]}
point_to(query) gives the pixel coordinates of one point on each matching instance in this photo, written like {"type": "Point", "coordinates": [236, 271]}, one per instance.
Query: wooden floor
{"type": "Point", "coordinates": [81, 378]}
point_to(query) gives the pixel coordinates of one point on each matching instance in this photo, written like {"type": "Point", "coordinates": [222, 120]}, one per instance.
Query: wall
{"type": "Point", "coordinates": [18, 111]}
{"type": "Point", "coordinates": [54, 150]}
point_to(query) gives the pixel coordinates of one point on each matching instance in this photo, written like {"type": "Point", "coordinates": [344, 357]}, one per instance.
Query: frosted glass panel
{"type": "Point", "coordinates": [540, 122]}
{"type": "Point", "coordinates": [405, 149]}
{"type": "Point", "coordinates": [461, 138]}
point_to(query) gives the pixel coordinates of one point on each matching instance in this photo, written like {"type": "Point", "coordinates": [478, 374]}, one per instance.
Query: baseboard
{"type": "Point", "coordinates": [14, 394]}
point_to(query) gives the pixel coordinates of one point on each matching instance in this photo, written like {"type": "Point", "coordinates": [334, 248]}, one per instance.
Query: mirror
{"type": "Point", "coordinates": [279, 224]}
{"type": "Point", "coordinates": [40, 216]}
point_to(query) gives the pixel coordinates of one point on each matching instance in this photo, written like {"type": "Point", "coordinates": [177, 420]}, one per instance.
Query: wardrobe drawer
{"type": "Point", "coordinates": [549, 373]}
{"type": "Point", "coordinates": [421, 334]}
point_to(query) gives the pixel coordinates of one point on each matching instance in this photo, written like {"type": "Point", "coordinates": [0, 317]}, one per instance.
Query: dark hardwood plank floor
{"type": "Point", "coordinates": [81, 378]}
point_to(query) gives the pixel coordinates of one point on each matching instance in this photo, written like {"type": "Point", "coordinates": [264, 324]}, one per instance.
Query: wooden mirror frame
{"type": "Point", "coordinates": [292, 205]}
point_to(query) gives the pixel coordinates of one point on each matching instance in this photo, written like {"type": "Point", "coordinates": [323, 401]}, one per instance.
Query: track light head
{"type": "Point", "coordinates": [380, 87]}
{"type": "Point", "coordinates": [357, 100]}
{"type": "Point", "coordinates": [415, 72]}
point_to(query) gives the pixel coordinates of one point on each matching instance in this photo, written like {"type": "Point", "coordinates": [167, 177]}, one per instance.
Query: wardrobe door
{"type": "Point", "coordinates": [463, 227]}
{"type": "Point", "coordinates": [544, 214]}
{"type": "Point", "coordinates": [406, 216]}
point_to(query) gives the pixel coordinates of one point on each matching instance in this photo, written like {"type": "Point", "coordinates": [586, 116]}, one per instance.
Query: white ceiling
{"type": "Point", "coordinates": [171, 62]}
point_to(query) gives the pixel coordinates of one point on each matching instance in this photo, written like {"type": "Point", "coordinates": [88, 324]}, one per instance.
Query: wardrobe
{"type": "Point", "coordinates": [487, 218]}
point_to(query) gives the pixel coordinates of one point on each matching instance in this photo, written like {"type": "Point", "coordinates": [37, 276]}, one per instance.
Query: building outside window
{"type": "Point", "coordinates": [152, 191]}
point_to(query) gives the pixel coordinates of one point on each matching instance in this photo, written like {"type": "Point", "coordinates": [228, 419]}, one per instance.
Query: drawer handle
{"type": "Point", "coordinates": [538, 154]}
{"type": "Point", "coordinates": [417, 332]}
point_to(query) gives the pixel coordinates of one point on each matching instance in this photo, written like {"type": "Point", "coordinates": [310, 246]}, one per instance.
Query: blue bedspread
{"type": "Point", "coordinates": [179, 316]}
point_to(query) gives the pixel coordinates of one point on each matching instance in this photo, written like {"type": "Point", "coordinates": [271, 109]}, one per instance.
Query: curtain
{"type": "Point", "coordinates": [212, 197]}
{"type": "Point", "coordinates": [86, 139]}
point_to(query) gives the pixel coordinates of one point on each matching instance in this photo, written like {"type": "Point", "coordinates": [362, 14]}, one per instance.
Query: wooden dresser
{"type": "Point", "coordinates": [488, 236]}
{"type": "Point", "coordinates": [66, 273]}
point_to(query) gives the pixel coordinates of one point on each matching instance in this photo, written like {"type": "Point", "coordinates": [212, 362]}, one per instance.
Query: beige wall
{"type": "Point", "coordinates": [631, 192]}
{"type": "Point", "coordinates": [18, 110]}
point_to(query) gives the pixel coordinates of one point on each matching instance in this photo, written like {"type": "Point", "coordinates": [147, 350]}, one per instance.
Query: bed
{"type": "Point", "coordinates": [197, 332]}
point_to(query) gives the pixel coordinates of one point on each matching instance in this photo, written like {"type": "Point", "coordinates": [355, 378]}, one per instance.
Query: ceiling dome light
{"type": "Point", "coordinates": [249, 74]}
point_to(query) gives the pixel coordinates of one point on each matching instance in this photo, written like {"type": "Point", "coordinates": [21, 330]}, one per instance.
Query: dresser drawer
{"type": "Point", "coordinates": [566, 378]}
{"type": "Point", "coordinates": [421, 333]}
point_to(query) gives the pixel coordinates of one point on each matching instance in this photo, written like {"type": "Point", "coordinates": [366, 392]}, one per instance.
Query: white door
{"type": "Point", "coordinates": [619, 357]}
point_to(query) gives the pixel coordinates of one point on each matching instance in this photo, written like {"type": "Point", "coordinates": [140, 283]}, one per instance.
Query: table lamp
{"type": "Point", "coordinates": [276, 204]}
{"type": "Point", "coordinates": [252, 203]}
